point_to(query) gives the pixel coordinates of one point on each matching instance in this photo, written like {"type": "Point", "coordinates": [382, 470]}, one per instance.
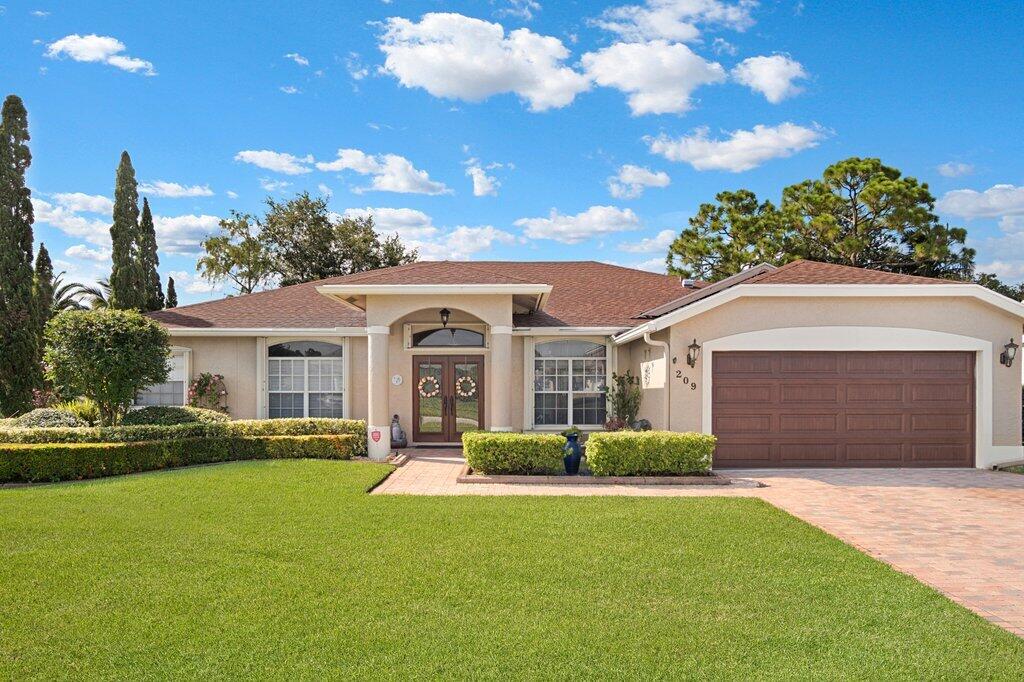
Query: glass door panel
{"type": "Point", "coordinates": [466, 385]}
{"type": "Point", "coordinates": [429, 399]}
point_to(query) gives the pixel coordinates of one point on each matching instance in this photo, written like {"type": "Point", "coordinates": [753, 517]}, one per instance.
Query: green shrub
{"type": "Point", "coordinates": [84, 408]}
{"type": "Point", "coordinates": [513, 453]}
{"type": "Point", "coordinates": [48, 417]}
{"type": "Point", "coordinates": [28, 463]}
{"type": "Point", "coordinates": [157, 415]}
{"type": "Point", "coordinates": [243, 427]}
{"type": "Point", "coordinates": [649, 453]}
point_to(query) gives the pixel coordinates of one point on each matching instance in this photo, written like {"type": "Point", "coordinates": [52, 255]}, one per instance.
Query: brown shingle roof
{"type": "Point", "coordinates": [584, 294]}
{"type": "Point", "coordinates": [812, 272]}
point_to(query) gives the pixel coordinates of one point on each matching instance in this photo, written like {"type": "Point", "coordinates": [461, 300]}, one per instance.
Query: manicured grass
{"type": "Point", "coordinates": [1016, 470]}
{"type": "Point", "coordinates": [288, 569]}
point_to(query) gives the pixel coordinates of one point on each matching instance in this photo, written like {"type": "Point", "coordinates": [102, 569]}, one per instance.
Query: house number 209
{"type": "Point", "coordinates": [686, 380]}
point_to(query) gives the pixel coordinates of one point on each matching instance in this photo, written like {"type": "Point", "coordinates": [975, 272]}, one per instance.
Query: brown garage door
{"type": "Point", "coordinates": [854, 409]}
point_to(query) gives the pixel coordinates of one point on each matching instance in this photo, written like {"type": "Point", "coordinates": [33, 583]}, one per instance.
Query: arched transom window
{"type": "Point", "coordinates": [569, 378]}
{"type": "Point", "coordinates": [305, 379]}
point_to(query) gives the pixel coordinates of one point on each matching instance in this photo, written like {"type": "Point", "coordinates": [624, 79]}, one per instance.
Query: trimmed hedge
{"type": "Point", "coordinates": [28, 463]}
{"type": "Point", "coordinates": [161, 415]}
{"type": "Point", "coordinates": [649, 453]}
{"type": "Point", "coordinates": [240, 428]}
{"type": "Point", "coordinates": [513, 453]}
{"type": "Point", "coordinates": [49, 417]}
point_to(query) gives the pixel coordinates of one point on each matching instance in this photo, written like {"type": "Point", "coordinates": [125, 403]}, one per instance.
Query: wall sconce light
{"type": "Point", "coordinates": [1009, 353]}
{"type": "Point", "coordinates": [692, 353]}
{"type": "Point", "coordinates": [445, 314]}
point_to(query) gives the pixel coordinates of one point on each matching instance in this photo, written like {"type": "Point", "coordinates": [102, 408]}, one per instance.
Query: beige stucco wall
{"type": "Point", "coordinates": [965, 317]}
{"type": "Point", "coordinates": [235, 358]}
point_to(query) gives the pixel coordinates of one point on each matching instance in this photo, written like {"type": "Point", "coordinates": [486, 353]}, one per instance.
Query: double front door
{"type": "Point", "coordinates": [447, 396]}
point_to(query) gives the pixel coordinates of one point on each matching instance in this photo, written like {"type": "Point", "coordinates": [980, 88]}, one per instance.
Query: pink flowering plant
{"type": "Point", "coordinates": [209, 392]}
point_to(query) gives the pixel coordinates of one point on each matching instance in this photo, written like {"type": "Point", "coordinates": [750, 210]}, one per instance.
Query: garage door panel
{"type": "Point", "coordinates": [843, 408]}
{"type": "Point", "coordinates": [809, 393]}
{"type": "Point", "coordinates": [739, 394]}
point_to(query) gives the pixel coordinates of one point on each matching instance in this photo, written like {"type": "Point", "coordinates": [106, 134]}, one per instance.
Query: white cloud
{"type": "Point", "coordinates": [93, 230]}
{"type": "Point", "coordinates": [231, 194]}
{"type": "Point", "coordinates": [276, 161]}
{"type": "Point", "coordinates": [659, 76]}
{"type": "Point", "coordinates": [520, 9]}
{"type": "Point", "coordinates": [723, 46]}
{"type": "Point", "coordinates": [355, 67]}
{"type": "Point", "coordinates": [742, 150]}
{"type": "Point", "coordinates": [172, 190]}
{"type": "Point", "coordinates": [676, 20]}
{"type": "Point", "coordinates": [407, 223]}
{"type": "Point", "coordinates": [273, 185]}
{"type": "Point", "coordinates": [771, 76]}
{"type": "Point", "coordinates": [80, 202]}
{"type": "Point", "coordinates": [954, 169]}
{"type": "Point", "coordinates": [483, 184]}
{"type": "Point", "coordinates": [417, 230]}
{"type": "Point", "coordinates": [632, 180]}
{"type": "Point", "coordinates": [182, 234]}
{"type": "Point", "coordinates": [656, 244]}
{"type": "Point", "coordinates": [40, 13]}
{"type": "Point", "coordinates": [656, 264]}
{"type": "Point", "coordinates": [458, 57]}
{"type": "Point", "coordinates": [995, 202]}
{"type": "Point", "coordinates": [297, 58]}
{"type": "Point", "coordinates": [100, 255]}
{"type": "Point", "coordinates": [191, 284]}
{"type": "Point", "coordinates": [573, 229]}
{"type": "Point", "coordinates": [101, 49]}
{"type": "Point", "coordinates": [389, 173]}
{"type": "Point", "coordinates": [289, 90]}
{"type": "Point", "coordinates": [325, 190]}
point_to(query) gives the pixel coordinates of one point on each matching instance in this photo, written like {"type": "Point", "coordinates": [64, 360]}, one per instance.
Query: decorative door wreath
{"type": "Point", "coordinates": [465, 387]}
{"type": "Point", "coordinates": [428, 387]}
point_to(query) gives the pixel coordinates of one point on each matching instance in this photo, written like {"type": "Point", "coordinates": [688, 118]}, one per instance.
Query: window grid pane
{"type": "Point", "coordinates": [305, 387]}
{"type": "Point", "coordinates": [169, 393]}
{"type": "Point", "coordinates": [569, 373]}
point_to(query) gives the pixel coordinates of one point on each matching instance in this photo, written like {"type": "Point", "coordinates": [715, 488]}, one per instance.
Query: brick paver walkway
{"type": "Point", "coordinates": [959, 531]}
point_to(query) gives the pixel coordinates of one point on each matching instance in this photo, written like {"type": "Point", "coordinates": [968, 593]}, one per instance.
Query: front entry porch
{"type": "Point", "coordinates": [447, 397]}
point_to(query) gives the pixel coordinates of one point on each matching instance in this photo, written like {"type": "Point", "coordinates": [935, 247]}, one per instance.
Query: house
{"type": "Point", "coordinates": [807, 365]}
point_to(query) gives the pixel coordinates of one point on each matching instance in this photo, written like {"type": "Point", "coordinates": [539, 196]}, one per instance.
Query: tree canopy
{"type": "Point", "coordinates": [127, 285]}
{"type": "Point", "coordinates": [237, 254]}
{"type": "Point", "coordinates": [861, 213]}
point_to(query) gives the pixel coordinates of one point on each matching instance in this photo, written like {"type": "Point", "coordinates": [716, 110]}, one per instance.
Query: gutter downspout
{"type": "Point", "coordinates": [665, 404]}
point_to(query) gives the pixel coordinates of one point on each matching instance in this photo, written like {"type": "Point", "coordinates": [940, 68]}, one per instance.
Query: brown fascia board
{"type": "Point", "coordinates": [709, 290]}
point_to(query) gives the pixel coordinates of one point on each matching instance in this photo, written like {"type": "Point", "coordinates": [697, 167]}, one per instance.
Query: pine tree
{"type": "Point", "coordinates": [18, 338]}
{"type": "Point", "coordinates": [127, 289]}
{"type": "Point", "coordinates": [172, 295]}
{"type": "Point", "coordinates": [149, 260]}
{"type": "Point", "coordinates": [43, 296]}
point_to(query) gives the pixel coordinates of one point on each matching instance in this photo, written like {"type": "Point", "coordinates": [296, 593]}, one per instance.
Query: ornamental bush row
{"type": "Point", "coordinates": [28, 463]}
{"type": "Point", "coordinates": [240, 428]}
{"type": "Point", "coordinates": [513, 453]}
{"type": "Point", "coordinates": [649, 453]}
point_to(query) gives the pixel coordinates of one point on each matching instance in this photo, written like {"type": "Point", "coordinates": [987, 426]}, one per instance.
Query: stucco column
{"type": "Point", "coordinates": [501, 378]}
{"type": "Point", "coordinates": [378, 417]}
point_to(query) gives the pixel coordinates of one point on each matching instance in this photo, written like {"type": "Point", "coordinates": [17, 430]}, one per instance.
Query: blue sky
{"type": "Point", "coordinates": [509, 129]}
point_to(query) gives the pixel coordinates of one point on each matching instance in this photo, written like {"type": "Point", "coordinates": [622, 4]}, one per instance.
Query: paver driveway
{"type": "Point", "coordinates": [960, 531]}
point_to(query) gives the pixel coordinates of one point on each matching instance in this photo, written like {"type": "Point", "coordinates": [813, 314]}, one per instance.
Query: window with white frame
{"type": "Point", "coordinates": [170, 392]}
{"type": "Point", "coordinates": [569, 378]}
{"type": "Point", "coordinates": [305, 379]}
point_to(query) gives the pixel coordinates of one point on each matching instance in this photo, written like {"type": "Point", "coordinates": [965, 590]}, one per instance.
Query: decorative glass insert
{"type": "Point", "coordinates": [569, 372]}
{"type": "Point", "coordinates": [305, 379]}
{"type": "Point", "coordinates": [448, 337]}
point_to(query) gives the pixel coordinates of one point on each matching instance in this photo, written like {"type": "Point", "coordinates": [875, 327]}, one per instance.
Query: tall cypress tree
{"type": "Point", "coordinates": [43, 297]}
{"type": "Point", "coordinates": [127, 288]}
{"type": "Point", "coordinates": [172, 295]}
{"type": "Point", "coordinates": [18, 338]}
{"type": "Point", "coordinates": [149, 260]}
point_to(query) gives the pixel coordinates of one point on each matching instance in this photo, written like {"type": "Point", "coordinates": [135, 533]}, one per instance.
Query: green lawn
{"type": "Point", "coordinates": [288, 569]}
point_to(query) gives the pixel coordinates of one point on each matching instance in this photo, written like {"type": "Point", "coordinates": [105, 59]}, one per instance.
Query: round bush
{"type": "Point", "coordinates": [169, 416]}
{"type": "Point", "coordinates": [48, 417]}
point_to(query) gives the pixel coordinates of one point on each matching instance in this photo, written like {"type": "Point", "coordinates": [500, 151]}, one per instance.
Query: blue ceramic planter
{"type": "Point", "coordinates": [572, 454]}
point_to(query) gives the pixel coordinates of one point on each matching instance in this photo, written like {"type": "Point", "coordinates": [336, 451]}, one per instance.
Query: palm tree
{"type": "Point", "coordinates": [64, 295]}
{"type": "Point", "coordinates": [97, 296]}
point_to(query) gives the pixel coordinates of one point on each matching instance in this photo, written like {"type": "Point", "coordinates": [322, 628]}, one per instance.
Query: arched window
{"type": "Point", "coordinates": [569, 378]}
{"type": "Point", "coordinates": [305, 379]}
{"type": "Point", "coordinates": [448, 336]}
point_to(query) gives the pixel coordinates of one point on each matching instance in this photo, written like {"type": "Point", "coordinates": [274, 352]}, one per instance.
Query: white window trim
{"type": "Point", "coordinates": [530, 344]}
{"type": "Point", "coordinates": [875, 339]}
{"type": "Point", "coordinates": [263, 347]}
